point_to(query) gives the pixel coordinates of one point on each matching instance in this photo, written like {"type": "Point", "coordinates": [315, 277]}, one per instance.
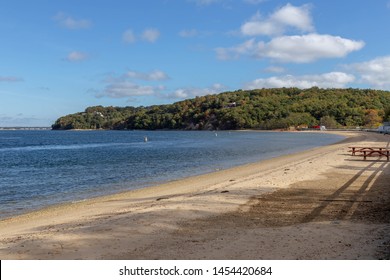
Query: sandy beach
{"type": "Point", "coordinates": [318, 204]}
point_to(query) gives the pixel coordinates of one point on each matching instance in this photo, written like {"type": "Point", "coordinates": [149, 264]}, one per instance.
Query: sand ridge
{"type": "Point", "coordinates": [317, 204]}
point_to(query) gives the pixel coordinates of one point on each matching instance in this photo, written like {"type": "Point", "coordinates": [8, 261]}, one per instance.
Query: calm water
{"type": "Point", "coordinates": [41, 168]}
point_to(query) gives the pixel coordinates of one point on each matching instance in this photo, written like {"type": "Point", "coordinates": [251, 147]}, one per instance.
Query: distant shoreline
{"type": "Point", "coordinates": [26, 128]}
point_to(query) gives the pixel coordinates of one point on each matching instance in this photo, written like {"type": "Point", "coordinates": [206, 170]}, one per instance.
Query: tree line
{"type": "Point", "coordinates": [278, 108]}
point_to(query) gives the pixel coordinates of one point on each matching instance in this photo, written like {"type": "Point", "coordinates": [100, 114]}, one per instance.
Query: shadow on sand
{"type": "Point", "coordinates": [344, 195]}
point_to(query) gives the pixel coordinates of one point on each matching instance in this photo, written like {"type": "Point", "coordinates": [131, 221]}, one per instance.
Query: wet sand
{"type": "Point", "coordinates": [318, 204]}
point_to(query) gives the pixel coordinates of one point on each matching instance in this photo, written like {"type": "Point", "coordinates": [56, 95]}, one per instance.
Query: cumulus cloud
{"type": "Point", "coordinates": [76, 56]}
{"type": "Point", "coordinates": [122, 89]}
{"type": "Point", "coordinates": [134, 84]}
{"type": "Point", "coordinates": [151, 35]}
{"type": "Point", "coordinates": [375, 72]}
{"type": "Point", "coordinates": [296, 49]}
{"type": "Point", "coordinates": [280, 21]}
{"type": "Point", "coordinates": [256, 27]}
{"type": "Point", "coordinates": [10, 79]}
{"type": "Point", "coordinates": [307, 48]}
{"type": "Point", "coordinates": [327, 80]}
{"type": "Point", "coordinates": [298, 17]}
{"type": "Point", "coordinates": [69, 22]}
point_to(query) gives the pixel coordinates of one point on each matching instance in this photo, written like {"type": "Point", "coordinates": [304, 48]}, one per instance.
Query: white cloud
{"type": "Point", "coordinates": [183, 93]}
{"type": "Point", "coordinates": [135, 84]}
{"type": "Point", "coordinates": [69, 22]}
{"type": "Point", "coordinates": [151, 35]}
{"type": "Point", "coordinates": [298, 17]}
{"type": "Point", "coordinates": [296, 49]}
{"type": "Point", "coordinates": [301, 48]}
{"type": "Point", "coordinates": [288, 16]}
{"type": "Point", "coordinates": [76, 56]}
{"type": "Point", "coordinates": [307, 48]}
{"type": "Point", "coordinates": [129, 86]}
{"type": "Point", "coordinates": [155, 75]}
{"type": "Point", "coordinates": [327, 80]}
{"type": "Point", "coordinates": [375, 72]}
{"type": "Point", "coordinates": [122, 89]}
{"type": "Point", "coordinates": [129, 37]}
{"type": "Point", "coordinates": [10, 79]}
{"type": "Point", "coordinates": [256, 27]}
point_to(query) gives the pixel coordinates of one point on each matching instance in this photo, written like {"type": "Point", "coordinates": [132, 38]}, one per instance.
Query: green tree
{"type": "Point", "coordinates": [329, 122]}
{"type": "Point", "coordinates": [277, 108]}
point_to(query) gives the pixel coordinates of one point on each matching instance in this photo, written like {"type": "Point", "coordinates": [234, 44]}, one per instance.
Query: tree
{"type": "Point", "coordinates": [386, 117]}
{"type": "Point", "coordinates": [277, 108]}
{"type": "Point", "coordinates": [372, 118]}
{"type": "Point", "coordinates": [329, 122]}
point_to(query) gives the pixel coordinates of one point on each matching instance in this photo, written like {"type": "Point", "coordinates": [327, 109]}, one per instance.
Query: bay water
{"type": "Point", "coordinates": [42, 168]}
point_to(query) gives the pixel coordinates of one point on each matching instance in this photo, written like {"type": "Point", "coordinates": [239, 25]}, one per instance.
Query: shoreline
{"type": "Point", "coordinates": [157, 183]}
{"type": "Point", "coordinates": [103, 227]}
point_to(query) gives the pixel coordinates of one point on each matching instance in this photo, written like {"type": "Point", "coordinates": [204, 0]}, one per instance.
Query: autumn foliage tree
{"type": "Point", "coordinates": [278, 108]}
{"type": "Point", "coordinates": [372, 118]}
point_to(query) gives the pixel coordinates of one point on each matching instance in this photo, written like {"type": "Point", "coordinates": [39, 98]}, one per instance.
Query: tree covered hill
{"type": "Point", "coordinates": [278, 108]}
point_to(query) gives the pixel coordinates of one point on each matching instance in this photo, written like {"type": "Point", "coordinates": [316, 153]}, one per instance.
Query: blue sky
{"type": "Point", "coordinates": [59, 57]}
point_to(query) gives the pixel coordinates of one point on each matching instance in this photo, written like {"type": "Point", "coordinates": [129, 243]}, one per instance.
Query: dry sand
{"type": "Point", "coordinates": [318, 204]}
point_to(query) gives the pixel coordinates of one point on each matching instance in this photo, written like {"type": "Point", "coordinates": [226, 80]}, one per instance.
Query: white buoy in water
{"type": "Point", "coordinates": [145, 139]}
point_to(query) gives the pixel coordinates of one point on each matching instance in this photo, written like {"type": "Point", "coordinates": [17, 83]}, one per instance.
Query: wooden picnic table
{"type": "Point", "coordinates": [370, 152]}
